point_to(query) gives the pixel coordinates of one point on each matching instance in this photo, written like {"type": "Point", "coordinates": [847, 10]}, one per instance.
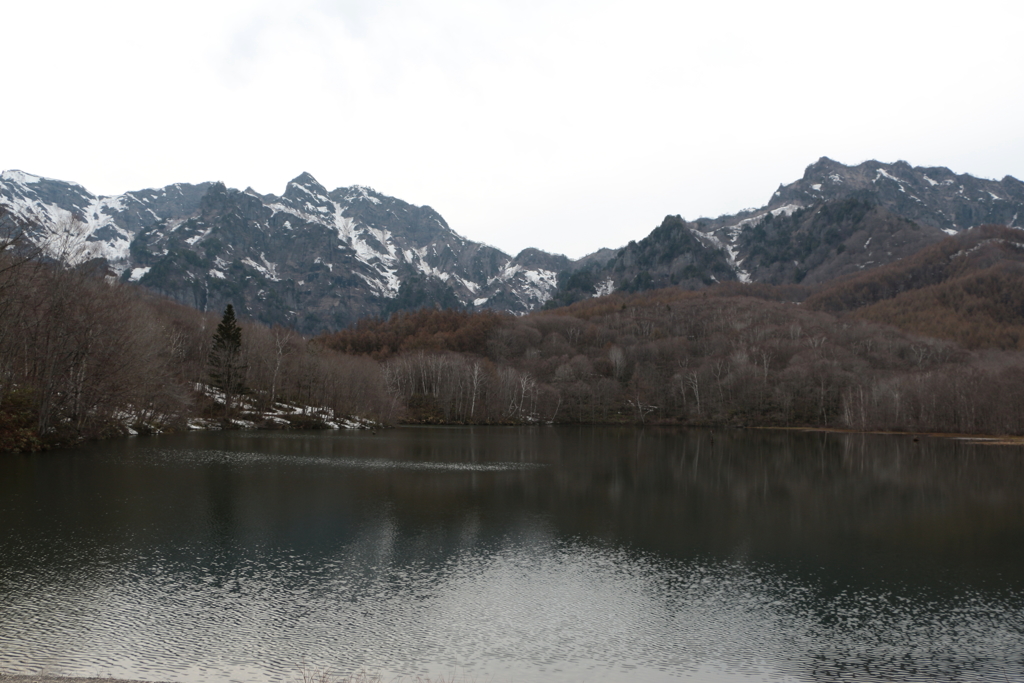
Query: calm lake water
{"type": "Point", "coordinates": [516, 554]}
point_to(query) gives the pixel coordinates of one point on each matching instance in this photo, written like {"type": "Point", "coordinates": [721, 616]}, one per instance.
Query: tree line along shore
{"type": "Point", "coordinates": [82, 357]}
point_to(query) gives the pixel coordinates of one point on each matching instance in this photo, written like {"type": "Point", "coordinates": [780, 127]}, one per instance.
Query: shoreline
{"type": "Point", "coordinates": [979, 439]}
{"type": "Point", "coordinates": [355, 424]}
{"type": "Point", "coordinates": [53, 678]}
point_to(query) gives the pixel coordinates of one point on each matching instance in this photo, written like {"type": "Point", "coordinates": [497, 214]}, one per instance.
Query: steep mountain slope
{"type": "Point", "coordinates": [674, 253]}
{"type": "Point", "coordinates": [835, 221]}
{"type": "Point", "coordinates": [827, 240]}
{"type": "Point", "coordinates": [310, 258]}
{"type": "Point", "coordinates": [935, 198]}
{"type": "Point", "coordinates": [76, 225]}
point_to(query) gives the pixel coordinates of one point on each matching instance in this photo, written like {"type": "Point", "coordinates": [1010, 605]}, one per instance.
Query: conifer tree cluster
{"type": "Point", "coordinates": [227, 367]}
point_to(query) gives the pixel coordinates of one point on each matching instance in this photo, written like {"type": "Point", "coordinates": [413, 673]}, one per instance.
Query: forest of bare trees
{"type": "Point", "coordinates": [84, 356]}
{"type": "Point", "coordinates": [696, 358]}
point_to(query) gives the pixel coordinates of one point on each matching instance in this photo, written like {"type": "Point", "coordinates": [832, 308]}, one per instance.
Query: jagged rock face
{"type": "Point", "coordinates": [838, 219]}
{"type": "Point", "coordinates": [834, 221]}
{"type": "Point", "coordinates": [318, 260]}
{"type": "Point", "coordinates": [310, 259]}
{"type": "Point", "coordinates": [934, 197]}
{"type": "Point", "coordinates": [673, 254]}
{"type": "Point", "coordinates": [83, 226]}
{"type": "Point", "coordinates": [827, 240]}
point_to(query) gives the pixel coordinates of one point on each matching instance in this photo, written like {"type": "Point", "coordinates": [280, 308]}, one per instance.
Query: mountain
{"type": "Point", "coordinates": [862, 215]}
{"type": "Point", "coordinates": [932, 196]}
{"type": "Point", "coordinates": [835, 221]}
{"type": "Point", "coordinates": [311, 258]}
{"type": "Point", "coordinates": [319, 260]}
{"type": "Point", "coordinates": [673, 254]}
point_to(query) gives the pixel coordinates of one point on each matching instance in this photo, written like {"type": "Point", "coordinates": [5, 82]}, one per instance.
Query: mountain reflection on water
{"type": "Point", "coordinates": [516, 554]}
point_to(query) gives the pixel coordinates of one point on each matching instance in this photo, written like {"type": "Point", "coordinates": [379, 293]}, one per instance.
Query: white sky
{"type": "Point", "coordinates": [560, 124]}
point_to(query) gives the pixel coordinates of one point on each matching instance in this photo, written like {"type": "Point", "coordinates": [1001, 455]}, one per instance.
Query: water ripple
{"type": "Point", "coordinates": [207, 457]}
{"type": "Point", "coordinates": [558, 611]}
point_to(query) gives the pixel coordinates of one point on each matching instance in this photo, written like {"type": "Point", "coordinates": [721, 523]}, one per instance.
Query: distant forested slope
{"type": "Point", "coordinates": [969, 289]}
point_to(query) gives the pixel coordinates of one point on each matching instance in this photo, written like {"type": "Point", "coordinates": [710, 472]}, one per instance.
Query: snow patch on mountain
{"type": "Point", "coordinates": [468, 284]}
{"type": "Point", "coordinates": [732, 250]}
{"type": "Point", "coordinates": [114, 251]}
{"type": "Point", "coordinates": [542, 284]}
{"type": "Point", "coordinates": [389, 288]}
{"type": "Point", "coordinates": [881, 173]}
{"type": "Point", "coordinates": [429, 270]}
{"type": "Point", "coordinates": [266, 268]}
{"type": "Point", "coordinates": [137, 274]}
{"type": "Point", "coordinates": [533, 287]}
{"type": "Point", "coordinates": [754, 221]}
{"type": "Point", "coordinates": [604, 288]}
{"type": "Point", "coordinates": [361, 192]}
{"type": "Point", "coordinates": [192, 241]}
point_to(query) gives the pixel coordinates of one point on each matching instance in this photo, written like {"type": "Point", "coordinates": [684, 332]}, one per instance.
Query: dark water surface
{"type": "Point", "coordinates": [516, 554]}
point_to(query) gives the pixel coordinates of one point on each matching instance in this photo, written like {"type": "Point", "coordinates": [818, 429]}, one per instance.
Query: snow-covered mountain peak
{"type": "Point", "coordinates": [310, 258]}
{"type": "Point", "coordinates": [306, 179]}
{"type": "Point", "coordinates": [305, 190]}
{"type": "Point", "coordinates": [15, 176]}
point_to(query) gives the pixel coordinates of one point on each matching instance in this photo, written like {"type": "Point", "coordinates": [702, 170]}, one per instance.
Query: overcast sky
{"type": "Point", "coordinates": [563, 125]}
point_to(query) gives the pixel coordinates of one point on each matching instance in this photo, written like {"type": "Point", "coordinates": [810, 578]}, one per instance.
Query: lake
{"type": "Point", "coordinates": [516, 554]}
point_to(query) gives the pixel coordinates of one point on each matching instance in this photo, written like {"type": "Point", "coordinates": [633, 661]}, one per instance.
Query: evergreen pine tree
{"type": "Point", "coordinates": [227, 370]}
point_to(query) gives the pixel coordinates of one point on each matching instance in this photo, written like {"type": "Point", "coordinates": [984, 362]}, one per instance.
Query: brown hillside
{"type": "Point", "coordinates": [427, 329]}
{"type": "Point", "coordinates": [968, 288]}
{"type": "Point", "coordinates": [978, 310]}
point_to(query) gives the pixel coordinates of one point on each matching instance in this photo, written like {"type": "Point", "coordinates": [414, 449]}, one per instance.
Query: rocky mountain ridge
{"type": "Point", "coordinates": [835, 221]}
{"type": "Point", "coordinates": [935, 198]}
{"type": "Point", "coordinates": [318, 260]}
{"type": "Point", "coordinates": [311, 258]}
